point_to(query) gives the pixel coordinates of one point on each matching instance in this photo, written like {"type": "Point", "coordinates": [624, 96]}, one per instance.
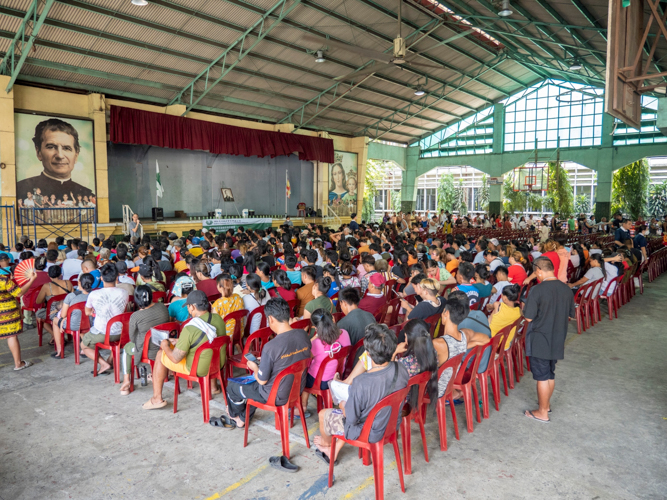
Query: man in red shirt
{"type": "Point", "coordinates": [374, 299]}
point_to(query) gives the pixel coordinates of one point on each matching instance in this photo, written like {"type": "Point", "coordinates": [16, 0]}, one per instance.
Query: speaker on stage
{"type": "Point", "coordinates": [158, 213]}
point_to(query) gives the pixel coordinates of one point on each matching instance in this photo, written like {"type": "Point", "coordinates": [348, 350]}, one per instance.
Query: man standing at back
{"type": "Point", "coordinates": [548, 309]}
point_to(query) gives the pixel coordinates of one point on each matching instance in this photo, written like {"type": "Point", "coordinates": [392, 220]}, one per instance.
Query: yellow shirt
{"type": "Point", "coordinates": [180, 266]}
{"type": "Point", "coordinates": [504, 317]}
{"type": "Point", "coordinates": [225, 305]}
{"type": "Point", "coordinates": [196, 251]}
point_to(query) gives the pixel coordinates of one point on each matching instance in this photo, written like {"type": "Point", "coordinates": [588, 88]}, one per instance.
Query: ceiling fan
{"type": "Point", "coordinates": [398, 57]}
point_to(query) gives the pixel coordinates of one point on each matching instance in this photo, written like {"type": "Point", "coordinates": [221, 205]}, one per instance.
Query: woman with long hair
{"type": "Point", "coordinates": [229, 301]}
{"type": "Point", "coordinates": [263, 270]}
{"type": "Point", "coordinates": [255, 296]}
{"type": "Point", "coordinates": [516, 272]}
{"type": "Point", "coordinates": [597, 271]}
{"type": "Point", "coordinates": [320, 301]}
{"type": "Point", "coordinates": [328, 340]}
{"type": "Point", "coordinates": [339, 189]}
{"type": "Point", "coordinates": [283, 285]}
{"type": "Point", "coordinates": [331, 272]}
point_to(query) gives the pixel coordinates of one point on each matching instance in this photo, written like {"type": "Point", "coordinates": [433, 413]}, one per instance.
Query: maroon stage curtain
{"type": "Point", "coordinates": [134, 126]}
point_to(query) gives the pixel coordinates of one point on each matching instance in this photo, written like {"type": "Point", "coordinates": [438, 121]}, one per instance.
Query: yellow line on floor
{"type": "Point", "coordinates": [367, 482]}
{"type": "Point", "coordinates": [238, 484]}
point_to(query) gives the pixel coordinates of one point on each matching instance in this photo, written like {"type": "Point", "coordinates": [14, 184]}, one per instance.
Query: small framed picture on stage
{"type": "Point", "coordinates": [55, 162]}
{"type": "Point", "coordinates": [227, 194]}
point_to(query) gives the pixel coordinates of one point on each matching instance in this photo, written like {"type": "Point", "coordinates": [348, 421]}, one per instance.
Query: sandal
{"type": "Point", "coordinates": [282, 463]}
{"type": "Point", "coordinates": [148, 405]}
{"type": "Point", "coordinates": [24, 365]}
{"type": "Point", "coordinates": [223, 421]}
{"type": "Point", "coordinates": [56, 355]}
{"type": "Point", "coordinates": [324, 457]}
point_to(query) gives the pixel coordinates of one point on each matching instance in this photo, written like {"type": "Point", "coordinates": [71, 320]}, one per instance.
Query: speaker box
{"type": "Point", "coordinates": [158, 214]}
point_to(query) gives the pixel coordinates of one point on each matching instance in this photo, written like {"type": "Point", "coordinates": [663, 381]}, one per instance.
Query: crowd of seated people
{"type": "Point", "coordinates": [340, 280]}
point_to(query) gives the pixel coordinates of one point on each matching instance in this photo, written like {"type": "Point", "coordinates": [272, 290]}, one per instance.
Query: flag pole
{"type": "Point", "coordinates": [286, 181]}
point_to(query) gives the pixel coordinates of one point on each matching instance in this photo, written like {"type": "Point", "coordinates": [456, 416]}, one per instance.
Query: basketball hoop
{"type": "Point", "coordinates": [530, 178]}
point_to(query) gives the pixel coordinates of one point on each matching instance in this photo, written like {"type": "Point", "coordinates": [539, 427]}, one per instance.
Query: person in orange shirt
{"type": "Point", "coordinates": [452, 262]}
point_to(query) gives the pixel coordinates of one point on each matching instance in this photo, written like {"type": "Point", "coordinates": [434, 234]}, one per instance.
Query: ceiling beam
{"type": "Point", "coordinates": [23, 42]}
{"type": "Point", "coordinates": [189, 36]}
{"type": "Point", "coordinates": [309, 29]}
{"type": "Point", "coordinates": [259, 30]}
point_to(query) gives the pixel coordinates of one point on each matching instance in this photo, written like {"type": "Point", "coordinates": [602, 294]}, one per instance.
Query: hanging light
{"type": "Point", "coordinates": [319, 57]}
{"type": "Point", "coordinates": [575, 65]}
{"type": "Point", "coordinates": [140, 3]}
{"type": "Point", "coordinates": [419, 91]}
{"type": "Point", "coordinates": [505, 9]}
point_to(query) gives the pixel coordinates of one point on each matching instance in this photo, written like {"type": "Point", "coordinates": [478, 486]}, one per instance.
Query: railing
{"type": "Point", "coordinates": [127, 218]}
{"type": "Point", "coordinates": [333, 215]}
{"type": "Point", "coordinates": [54, 222]}
{"type": "Point", "coordinates": [8, 225]}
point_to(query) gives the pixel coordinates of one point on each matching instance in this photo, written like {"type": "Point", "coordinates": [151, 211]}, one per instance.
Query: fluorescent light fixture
{"type": "Point", "coordinates": [575, 65]}
{"type": "Point", "coordinates": [319, 57]}
{"type": "Point", "coordinates": [505, 9]}
{"type": "Point", "coordinates": [140, 3]}
{"type": "Point", "coordinates": [419, 92]}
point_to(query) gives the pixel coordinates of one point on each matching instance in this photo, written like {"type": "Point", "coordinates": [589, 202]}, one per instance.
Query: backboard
{"type": "Point", "coordinates": [531, 178]}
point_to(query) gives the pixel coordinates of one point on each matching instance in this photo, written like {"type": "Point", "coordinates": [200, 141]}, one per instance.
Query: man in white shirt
{"type": "Point", "coordinates": [72, 267]}
{"type": "Point", "coordinates": [480, 247]}
{"type": "Point", "coordinates": [74, 248]}
{"type": "Point", "coordinates": [105, 303]}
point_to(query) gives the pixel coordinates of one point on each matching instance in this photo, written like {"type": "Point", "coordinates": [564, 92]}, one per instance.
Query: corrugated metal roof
{"type": "Point", "coordinates": [280, 73]}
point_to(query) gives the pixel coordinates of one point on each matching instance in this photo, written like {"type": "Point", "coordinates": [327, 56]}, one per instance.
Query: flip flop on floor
{"type": "Point", "coordinates": [323, 456]}
{"type": "Point", "coordinates": [283, 464]}
{"type": "Point", "coordinates": [24, 365]}
{"type": "Point", "coordinates": [148, 405]}
{"type": "Point", "coordinates": [529, 414]}
{"type": "Point", "coordinates": [223, 421]}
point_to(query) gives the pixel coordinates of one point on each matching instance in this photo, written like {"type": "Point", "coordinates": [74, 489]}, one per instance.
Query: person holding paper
{"type": "Point", "coordinates": [177, 355]}
{"type": "Point", "coordinates": [383, 378]}
{"type": "Point", "coordinates": [148, 315]}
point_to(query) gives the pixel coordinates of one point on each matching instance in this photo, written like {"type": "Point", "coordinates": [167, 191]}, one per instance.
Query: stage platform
{"type": "Point", "coordinates": [178, 226]}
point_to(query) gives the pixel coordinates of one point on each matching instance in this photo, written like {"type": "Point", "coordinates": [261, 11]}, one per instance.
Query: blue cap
{"type": "Point", "coordinates": [195, 241]}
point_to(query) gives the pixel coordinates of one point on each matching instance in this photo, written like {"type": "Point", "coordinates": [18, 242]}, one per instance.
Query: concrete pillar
{"type": "Point", "coordinates": [605, 171]}
{"type": "Point", "coordinates": [409, 181]}
{"type": "Point", "coordinates": [7, 144]}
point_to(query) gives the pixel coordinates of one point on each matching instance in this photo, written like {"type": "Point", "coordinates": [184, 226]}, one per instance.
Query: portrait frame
{"type": "Point", "coordinates": [343, 183]}
{"type": "Point", "coordinates": [29, 167]}
{"type": "Point", "coordinates": [227, 195]}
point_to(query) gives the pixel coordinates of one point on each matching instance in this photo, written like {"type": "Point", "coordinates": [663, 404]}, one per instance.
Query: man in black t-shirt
{"type": "Point", "coordinates": [548, 309]}
{"type": "Point", "coordinates": [288, 347]}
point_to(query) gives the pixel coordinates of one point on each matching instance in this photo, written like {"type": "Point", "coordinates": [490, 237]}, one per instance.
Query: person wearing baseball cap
{"type": "Point", "coordinates": [374, 299]}
{"type": "Point", "coordinates": [177, 355]}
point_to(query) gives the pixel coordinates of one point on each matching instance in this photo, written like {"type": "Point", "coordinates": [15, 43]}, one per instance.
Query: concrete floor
{"type": "Point", "coordinates": [65, 434]}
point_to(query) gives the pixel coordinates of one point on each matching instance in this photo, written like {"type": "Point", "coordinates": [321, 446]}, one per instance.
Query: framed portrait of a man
{"type": "Point", "coordinates": [55, 162]}
{"type": "Point", "coordinates": [227, 194]}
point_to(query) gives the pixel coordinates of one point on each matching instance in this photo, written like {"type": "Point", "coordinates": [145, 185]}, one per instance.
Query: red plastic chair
{"type": "Point", "coordinates": [40, 322]}
{"type": "Point", "coordinates": [395, 402]}
{"type": "Point", "coordinates": [506, 361]}
{"type": "Point", "coordinates": [253, 345]}
{"type": "Point", "coordinates": [611, 293]}
{"type": "Point", "coordinates": [28, 303]}
{"type": "Point", "coordinates": [237, 336]}
{"type": "Point", "coordinates": [379, 316]}
{"type": "Point", "coordinates": [418, 414]}
{"type": "Point", "coordinates": [293, 306]}
{"type": "Point", "coordinates": [157, 296]}
{"type": "Point", "coordinates": [170, 327]}
{"type": "Point", "coordinates": [262, 323]}
{"type": "Point", "coordinates": [205, 382]}
{"type": "Point", "coordinates": [323, 396]}
{"type": "Point", "coordinates": [282, 412]}
{"type": "Point", "coordinates": [434, 325]}
{"type": "Point", "coordinates": [84, 327]}
{"type": "Point", "coordinates": [389, 289]}
{"type": "Point", "coordinates": [581, 307]}
{"type": "Point", "coordinates": [338, 316]}
{"type": "Point", "coordinates": [391, 318]}
{"type": "Point", "coordinates": [441, 406]}
{"type": "Point", "coordinates": [465, 381]}
{"type": "Point", "coordinates": [295, 286]}
{"type": "Point", "coordinates": [302, 324]}
{"type": "Point", "coordinates": [349, 366]}
{"type": "Point", "coordinates": [169, 277]}
{"type": "Point", "coordinates": [114, 347]}
{"type": "Point", "coordinates": [492, 370]}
